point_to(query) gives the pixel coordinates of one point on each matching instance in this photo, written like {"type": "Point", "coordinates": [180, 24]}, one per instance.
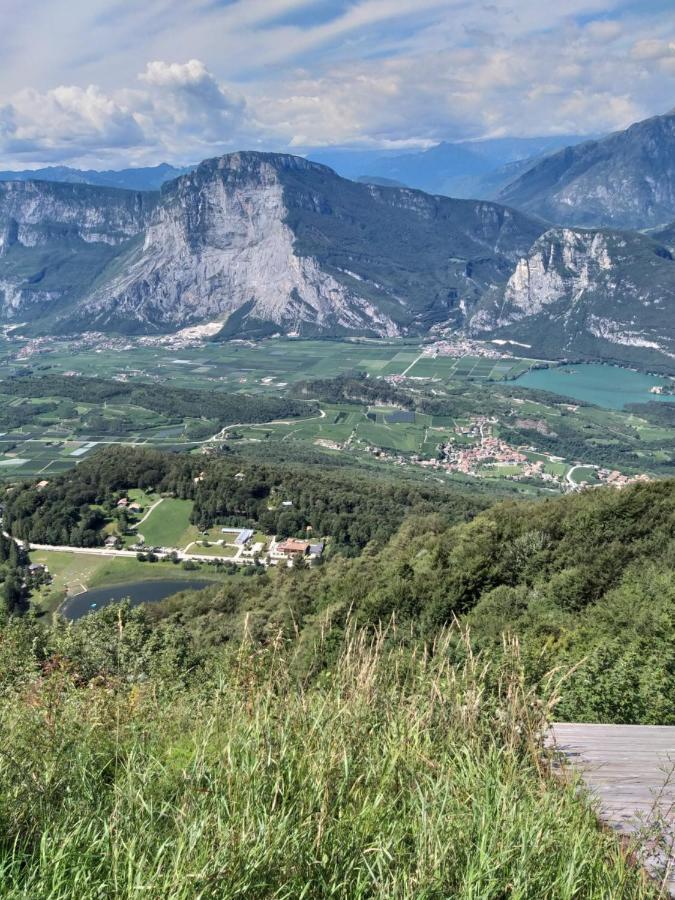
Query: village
{"type": "Point", "coordinates": [459, 346]}
{"type": "Point", "coordinates": [476, 451]}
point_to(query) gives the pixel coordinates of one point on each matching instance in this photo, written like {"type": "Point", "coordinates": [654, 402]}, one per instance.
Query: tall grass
{"type": "Point", "coordinates": [393, 776]}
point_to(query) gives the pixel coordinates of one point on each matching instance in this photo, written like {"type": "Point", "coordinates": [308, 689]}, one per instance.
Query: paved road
{"type": "Point", "coordinates": [92, 551]}
{"type": "Point", "coordinates": [219, 435]}
{"type": "Point", "coordinates": [630, 769]}
{"type": "Point", "coordinates": [414, 362]}
{"type": "Point", "coordinates": [569, 478]}
{"type": "Point", "coordinates": [128, 554]}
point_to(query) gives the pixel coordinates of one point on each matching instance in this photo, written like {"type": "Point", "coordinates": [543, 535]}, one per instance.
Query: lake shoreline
{"type": "Point", "coordinates": [148, 590]}
{"type": "Point", "coordinates": [601, 384]}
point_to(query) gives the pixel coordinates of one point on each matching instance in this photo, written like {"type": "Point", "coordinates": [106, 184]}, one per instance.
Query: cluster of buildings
{"type": "Point", "coordinates": [460, 346]}
{"type": "Point", "coordinates": [613, 478]}
{"type": "Point", "coordinates": [488, 450]}
{"type": "Point", "coordinates": [279, 552]}
{"type": "Point", "coordinates": [34, 347]}
{"type": "Point", "coordinates": [289, 550]}
{"type": "Point", "coordinates": [132, 506]}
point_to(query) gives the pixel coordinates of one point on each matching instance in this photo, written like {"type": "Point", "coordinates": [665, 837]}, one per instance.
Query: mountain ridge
{"type": "Point", "coordinates": [296, 247]}
{"type": "Point", "coordinates": [624, 180]}
{"type": "Point", "coordinates": [144, 178]}
{"type": "Point", "coordinates": [254, 244]}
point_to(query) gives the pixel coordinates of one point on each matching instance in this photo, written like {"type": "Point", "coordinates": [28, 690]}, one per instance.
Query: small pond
{"type": "Point", "coordinates": [148, 591]}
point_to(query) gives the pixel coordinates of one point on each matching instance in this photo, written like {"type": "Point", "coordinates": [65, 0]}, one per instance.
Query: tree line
{"type": "Point", "coordinates": [175, 403]}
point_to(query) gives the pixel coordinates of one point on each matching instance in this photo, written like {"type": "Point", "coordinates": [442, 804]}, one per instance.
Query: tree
{"type": "Point", "coordinates": [12, 593]}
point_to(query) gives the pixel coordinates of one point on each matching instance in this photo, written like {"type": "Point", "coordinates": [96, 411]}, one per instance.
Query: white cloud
{"type": "Point", "coordinates": [300, 73]}
{"type": "Point", "coordinates": [66, 119]}
{"type": "Point", "coordinates": [180, 111]}
{"type": "Point", "coordinates": [651, 48]}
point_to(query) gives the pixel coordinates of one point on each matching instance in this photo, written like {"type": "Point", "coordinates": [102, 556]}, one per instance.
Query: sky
{"type": "Point", "coordinates": [110, 83]}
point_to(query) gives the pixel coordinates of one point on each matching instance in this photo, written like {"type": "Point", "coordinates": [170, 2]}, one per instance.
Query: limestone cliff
{"type": "Point", "coordinates": [587, 292]}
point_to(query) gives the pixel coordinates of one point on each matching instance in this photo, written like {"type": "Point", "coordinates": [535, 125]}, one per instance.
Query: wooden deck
{"type": "Point", "coordinates": [630, 769]}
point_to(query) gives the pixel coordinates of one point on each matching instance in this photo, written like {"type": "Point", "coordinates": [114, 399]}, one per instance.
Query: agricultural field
{"type": "Point", "coordinates": [446, 368]}
{"type": "Point", "coordinates": [50, 435]}
{"type": "Point", "coordinates": [263, 366]}
{"type": "Point", "coordinates": [384, 427]}
{"type": "Point", "coordinates": [168, 525]}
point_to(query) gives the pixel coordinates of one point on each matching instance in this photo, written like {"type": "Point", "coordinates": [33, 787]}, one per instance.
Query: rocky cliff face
{"type": "Point", "coordinates": [602, 293]}
{"type": "Point", "coordinates": [56, 238]}
{"type": "Point", "coordinates": [37, 213]}
{"type": "Point", "coordinates": [625, 180]}
{"type": "Point", "coordinates": [268, 242]}
{"type": "Point", "coordinates": [219, 242]}
{"type": "Point", "coordinates": [254, 244]}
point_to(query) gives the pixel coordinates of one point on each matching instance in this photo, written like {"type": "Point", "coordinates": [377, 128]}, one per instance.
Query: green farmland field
{"type": "Point", "coordinates": [169, 524]}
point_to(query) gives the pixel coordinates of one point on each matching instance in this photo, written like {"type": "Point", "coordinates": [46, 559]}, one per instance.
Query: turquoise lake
{"type": "Point", "coordinates": [609, 386]}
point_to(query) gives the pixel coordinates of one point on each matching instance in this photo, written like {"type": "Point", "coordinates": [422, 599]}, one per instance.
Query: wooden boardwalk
{"type": "Point", "coordinates": [631, 771]}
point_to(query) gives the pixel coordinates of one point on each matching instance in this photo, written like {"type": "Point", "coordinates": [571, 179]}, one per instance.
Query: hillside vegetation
{"type": "Point", "coordinates": [372, 727]}
{"type": "Point", "coordinates": [584, 581]}
{"type": "Point", "coordinates": [126, 769]}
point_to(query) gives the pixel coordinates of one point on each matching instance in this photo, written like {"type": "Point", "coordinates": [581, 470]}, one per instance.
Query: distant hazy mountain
{"type": "Point", "coordinates": [141, 179]}
{"type": "Point", "coordinates": [476, 169]}
{"type": "Point", "coordinates": [258, 243]}
{"type": "Point", "coordinates": [624, 180]}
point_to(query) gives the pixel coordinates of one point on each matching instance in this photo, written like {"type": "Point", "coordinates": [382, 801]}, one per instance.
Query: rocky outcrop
{"type": "Point", "coordinates": [587, 293]}
{"type": "Point", "coordinates": [219, 242]}
{"type": "Point", "coordinates": [55, 240]}
{"type": "Point", "coordinates": [254, 244]}
{"type": "Point", "coordinates": [40, 213]}
{"type": "Point", "coordinates": [269, 242]}
{"type": "Point", "coordinates": [561, 265]}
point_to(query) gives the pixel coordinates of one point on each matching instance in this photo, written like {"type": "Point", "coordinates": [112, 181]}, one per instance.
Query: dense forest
{"type": "Point", "coordinates": [175, 403]}
{"type": "Point", "coordinates": [286, 499]}
{"type": "Point", "coordinates": [354, 387]}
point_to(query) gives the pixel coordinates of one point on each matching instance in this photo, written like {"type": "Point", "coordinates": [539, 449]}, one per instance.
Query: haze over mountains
{"type": "Point", "coordinates": [476, 169]}
{"type": "Point", "coordinates": [254, 244]}
{"type": "Point", "coordinates": [148, 178]}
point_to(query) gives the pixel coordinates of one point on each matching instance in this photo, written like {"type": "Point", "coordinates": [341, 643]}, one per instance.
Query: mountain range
{"type": "Point", "coordinates": [253, 244]}
{"type": "Point", "coordinates": [624, 180]}
{"type": "Point", "coordinates": [467, 169]}
{"type": "Point", "coordinates": [148, 178]}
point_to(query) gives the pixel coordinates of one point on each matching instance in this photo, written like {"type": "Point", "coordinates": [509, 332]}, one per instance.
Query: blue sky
{"type": "Point", "coordinates": [118, 82]}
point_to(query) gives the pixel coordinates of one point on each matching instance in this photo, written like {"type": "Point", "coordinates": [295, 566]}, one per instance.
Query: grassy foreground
{"type": "Point", "coordinates": [394, 775]}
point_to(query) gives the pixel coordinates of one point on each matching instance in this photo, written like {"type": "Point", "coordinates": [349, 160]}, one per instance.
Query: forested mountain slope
{"type": "Point", "coordinates": [586, 575]}
{"type": "Point", "coordinates": [396, 700]}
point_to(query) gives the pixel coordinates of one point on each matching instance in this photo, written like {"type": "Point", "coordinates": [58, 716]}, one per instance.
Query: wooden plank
{"type": "Point", "coordinates": [630, 769]}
